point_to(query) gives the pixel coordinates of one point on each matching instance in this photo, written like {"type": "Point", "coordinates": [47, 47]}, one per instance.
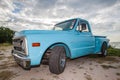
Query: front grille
{"type": "Point", "coordinates": [19, 44]}
{"type": "Point", "coordinates": [18, 48]}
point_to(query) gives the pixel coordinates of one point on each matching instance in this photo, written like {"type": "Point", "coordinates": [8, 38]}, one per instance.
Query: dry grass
{"type": "Point", "coordinates": [9, 63]}
{"type": "Point", "coordinates": [81, 67]}
{"type": "Point", "coordinates": [118, 74]}
{"type": "Point", "coordinates": [118, 78]}
{"type": "Point", "coordinates": [108, 66]}
{"type": "Point", "coordinates": [1, 57]}
{"type": "Point", "coordinates": [91, 68]}
{"type": "Point", "coordinates": [119, 66]}
{"type": "Point", "coordinates": [42, 79]}
{"type": "Point", "coordinates": [5, 44]}
{"type": "Point", "coordinates": [56, 77]}
{"type": "Point", "coordinates": [36, 79]}
{"type": "Point", "coordinates": [107, 59]}
{"type": "Point", "coordinates": [9, 57]}
{"type": "Point", "coordinates": [113, 59]}
{"type": "Point", "coordinates": [5, 47]}
{"type": "Point", "coordinates": [88, 77]}
{"type": "Point", "coordinates": [6, 75]}
{"type": "Point", "coordinates": [3, 66]}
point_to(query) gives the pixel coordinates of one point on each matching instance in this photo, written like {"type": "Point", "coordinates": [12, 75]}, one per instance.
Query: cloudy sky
{"type": "Point", "coordinates": [103, 15]}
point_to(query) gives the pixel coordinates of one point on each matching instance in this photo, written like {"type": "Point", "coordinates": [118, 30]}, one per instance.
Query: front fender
{"type": "Point", "coordinates": [36, 53]}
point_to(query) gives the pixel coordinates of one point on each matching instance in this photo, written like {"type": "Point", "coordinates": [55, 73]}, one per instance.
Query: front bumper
{"type": "Point", "coordinates": [21, 60]}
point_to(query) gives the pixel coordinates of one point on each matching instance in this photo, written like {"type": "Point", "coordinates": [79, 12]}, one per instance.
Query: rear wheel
{"type": "Point", "coordinates": [57, 60]}
{"type": "Point", "coordinates": [103, 50]}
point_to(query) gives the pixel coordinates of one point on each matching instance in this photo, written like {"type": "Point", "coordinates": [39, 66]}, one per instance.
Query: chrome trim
{"type": "Point", "coordinates": [18, 37]}
{"type": "Point", "coordinates": [22, 58]}
{"type": "Point", "coordinates": [16, 51]}
{"type": "Point", "coordinates": [23, 61]}
{"type": "Point", "coordinates": [26, 47]}
{"type": "Point", "coordinates": [25, 42]}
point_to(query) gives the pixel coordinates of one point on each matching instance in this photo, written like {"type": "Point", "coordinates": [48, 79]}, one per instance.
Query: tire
{"type": "Point", "coordinates": [57, 60]}
{"type": "Point", "coordinates": [103, 50]}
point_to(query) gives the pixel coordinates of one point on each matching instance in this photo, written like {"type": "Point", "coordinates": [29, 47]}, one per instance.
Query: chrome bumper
{"type": "Point", "coordinates": [22, 61]}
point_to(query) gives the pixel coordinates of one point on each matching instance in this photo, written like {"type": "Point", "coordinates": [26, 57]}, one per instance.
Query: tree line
{"type": "Point", "coordinates": [6, 35]}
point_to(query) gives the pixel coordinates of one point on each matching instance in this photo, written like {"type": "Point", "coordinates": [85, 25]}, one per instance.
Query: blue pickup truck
{"type": "Point", "coordinates": [68, 39]}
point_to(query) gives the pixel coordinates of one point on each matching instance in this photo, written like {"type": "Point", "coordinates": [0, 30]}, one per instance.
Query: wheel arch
{"type": "Point", "coordinates": [104, 42]}
{"type": "Point", "coordinates": [98, 44]}
{"type": "Point", "coordinates": [103, 49]}
{"type": "Point", "coordinates": [67, 49]}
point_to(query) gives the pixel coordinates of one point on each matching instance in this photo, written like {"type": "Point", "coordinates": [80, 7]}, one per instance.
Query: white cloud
{"type": "Point", "coordinates": [103, 15]}
{"type": "Point", "coordinates": [107, 22]}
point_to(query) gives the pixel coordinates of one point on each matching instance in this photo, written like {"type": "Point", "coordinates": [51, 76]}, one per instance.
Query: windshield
{"type": "Point", "coordinates": [66, 25]}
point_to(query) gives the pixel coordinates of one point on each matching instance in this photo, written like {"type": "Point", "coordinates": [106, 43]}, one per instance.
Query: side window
{"type": "Point", "coordinates": [82, 27]}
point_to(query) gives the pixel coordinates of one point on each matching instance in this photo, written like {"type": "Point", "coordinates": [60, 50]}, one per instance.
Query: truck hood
{"type": "Point", "coordinates": [25, 32]}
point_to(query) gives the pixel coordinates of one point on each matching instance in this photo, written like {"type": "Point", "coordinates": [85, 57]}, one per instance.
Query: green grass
{"type": "Point", "coordinates": [113, 52]}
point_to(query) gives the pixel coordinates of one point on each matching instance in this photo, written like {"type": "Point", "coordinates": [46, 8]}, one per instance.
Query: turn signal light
{"type": "Point", "coordinates": [35, 44]}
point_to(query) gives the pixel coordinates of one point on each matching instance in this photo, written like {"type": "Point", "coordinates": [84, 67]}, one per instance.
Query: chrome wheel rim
{"type": "Point", "coordinates": [62, 62]}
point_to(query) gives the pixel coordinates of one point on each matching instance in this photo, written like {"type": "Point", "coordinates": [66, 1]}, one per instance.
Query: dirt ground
{"type": "Point", "coordinates": [84, 68]}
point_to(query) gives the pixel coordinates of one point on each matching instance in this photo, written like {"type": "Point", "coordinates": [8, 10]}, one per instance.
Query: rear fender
{"type": "Point", "coordinates": [98, 44]}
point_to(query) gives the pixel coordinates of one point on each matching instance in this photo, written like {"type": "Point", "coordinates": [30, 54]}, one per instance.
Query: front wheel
{"type": "Point", "coordinates": [57, 60]}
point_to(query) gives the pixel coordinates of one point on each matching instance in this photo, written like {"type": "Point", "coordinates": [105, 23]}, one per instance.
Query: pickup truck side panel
{"type": "Point", "coordinates": [76, 47]}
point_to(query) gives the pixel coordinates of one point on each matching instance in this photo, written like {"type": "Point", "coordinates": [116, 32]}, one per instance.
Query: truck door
{"type": "Point", "coordinates": [84, 39]}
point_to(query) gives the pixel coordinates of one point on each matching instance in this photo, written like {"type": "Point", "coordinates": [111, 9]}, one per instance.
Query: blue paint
{"type": "Point", "coordinates": [75, 42]}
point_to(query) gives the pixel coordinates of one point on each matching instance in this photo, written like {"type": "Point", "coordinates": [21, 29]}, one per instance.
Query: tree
{"type": "Point", "coordinates": [6, 35]}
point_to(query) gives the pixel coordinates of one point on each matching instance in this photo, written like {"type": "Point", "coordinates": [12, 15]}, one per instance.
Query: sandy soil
{"type": "Point", "coordinates": [84, 68]}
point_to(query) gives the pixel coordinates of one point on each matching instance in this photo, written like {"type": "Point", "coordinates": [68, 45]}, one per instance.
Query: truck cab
{"type": "Point", "coordinates": [72, 38]}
